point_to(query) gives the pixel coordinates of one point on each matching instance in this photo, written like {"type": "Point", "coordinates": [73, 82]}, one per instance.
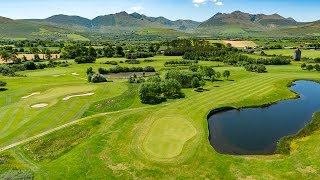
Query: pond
{"type": "Point", "coordinates": [256, 131]}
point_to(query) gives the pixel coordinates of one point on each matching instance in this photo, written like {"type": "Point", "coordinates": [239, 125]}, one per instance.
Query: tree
{"type": "Point", "coordinates": [108, 51]}
{"type": "Point", "coordinates": [36, 58]}
{"type": "Point", "coordinates": [6, 55]}
{"type": "Point", "coordinates": [303, 66]}
{"type": "Point", "coordinates": [195, 82]}
{"type": "Point", "coordinates": [150, 92]}
{"type": "Point", "coordinates": [48, 54]}
{"type": "Point", "coordinates": [85, 59]}
{"type": "Point", "coordinates": [119, 51]}
{"type": "Point", "coordinates": [193, 68]}
{"type": "Point", "coordinates": [90, 71]}
{"type": "Point", "coordinates": [207, 71]}
{"type": "Point", "coordinates": [317, 67]}
{"type": "Point", "coordinates": [218, 75]}
{"type": "Point", "coordinates": [92, 52]}
{"type": "Point", "coordinates": [170, 88]}
{"type": "Point", "coordinates": [202, 83]}
{"type": "Point", "coordinates": [310, 67]}
{"type": "Point", "coordinates": [226, 74]}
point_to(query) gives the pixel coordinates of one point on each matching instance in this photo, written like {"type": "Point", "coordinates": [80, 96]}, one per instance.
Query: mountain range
{"type": "Point", "coordinates": [234, 24]}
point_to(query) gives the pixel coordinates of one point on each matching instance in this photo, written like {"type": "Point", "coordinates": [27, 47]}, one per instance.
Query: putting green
{"type": "Point", "coordinates": [167, 136]}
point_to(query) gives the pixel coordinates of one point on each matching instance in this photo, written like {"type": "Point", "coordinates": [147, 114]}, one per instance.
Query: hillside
{"type": "Point", "coordinates": [139, 26]}
{"type": "Point", "coordinates": [241, 19]}
{"type": "Point", "coordinates": [121, 20]}
{"type": "Point", "coordinates": [240, 23]}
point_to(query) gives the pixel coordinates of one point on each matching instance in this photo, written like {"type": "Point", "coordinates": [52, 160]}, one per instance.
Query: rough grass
{"type": "Point", "coordinates": [54, 146]}
{"type": "Point", "coordinates": [115, 149]}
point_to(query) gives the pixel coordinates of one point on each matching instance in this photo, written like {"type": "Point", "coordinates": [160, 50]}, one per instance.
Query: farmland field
{"type": "Point", "coordinates": [241, 44]}
{"type": "Point", "coordinates": [290, 52]}
{"type": "Point", "coordinates": [111, 134]}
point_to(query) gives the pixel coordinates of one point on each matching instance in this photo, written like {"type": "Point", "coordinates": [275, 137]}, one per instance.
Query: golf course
{"type": "Point", "coordinates": [80, 129]}
{"type": "Point", "coordinates": [159, 90]}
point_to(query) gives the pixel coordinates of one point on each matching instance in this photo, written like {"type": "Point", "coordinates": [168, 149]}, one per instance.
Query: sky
{"type": "Point", "coordinates": [199, 10]}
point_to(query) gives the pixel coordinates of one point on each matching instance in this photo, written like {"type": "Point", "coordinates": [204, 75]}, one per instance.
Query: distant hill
{"type": "Point", "coordinates": [65, 21]}
{"type": "Point", "coordinates": [120, 20]}
{"type": "Point", "coordinates": [240, 23]}
{"type": "Point", "coordinates": [124, 25]}
{"type": "Point", "coordinates": [246, 20]}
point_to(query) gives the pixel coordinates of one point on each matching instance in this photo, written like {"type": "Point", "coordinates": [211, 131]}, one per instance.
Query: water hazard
{"type": "Point", "coordinates": [254, 131]}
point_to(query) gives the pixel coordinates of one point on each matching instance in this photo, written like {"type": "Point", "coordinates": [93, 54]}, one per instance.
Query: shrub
{"type": "Point", "coordinates": [17, 174]}
{"type": "Point", "coordinates": [310, 67]}
{"type": "Point", "coordinates": [85, 59]}
{"type": "Point", "coordinates": [30, 65]}
{"type": "Point", "coordinates": [258, 68]}
{"type": "Point", "coordinates": [317, 67]}
{"type": "Point", "coordinates": [149, 69]}
{"type": "Point", "coordinates": [2, 83]}
{"type": "Point", "coordinates": [98, 78]}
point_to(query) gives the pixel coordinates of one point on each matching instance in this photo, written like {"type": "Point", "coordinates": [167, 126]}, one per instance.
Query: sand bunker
{"type": "Point", "coordinates": [40, 105]}
{"type": "Point", "coordinates": [75, 74]}
{"type": "Point", "coordinates": [58, 75]}
{"type": "Point", "coordinates": [33, 94]}
{"type": "Point", "coordinates": [77, 95]}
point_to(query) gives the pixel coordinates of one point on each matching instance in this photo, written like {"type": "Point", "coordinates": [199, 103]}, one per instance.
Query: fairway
{"type": "Point", "coordinates": [167, 137]}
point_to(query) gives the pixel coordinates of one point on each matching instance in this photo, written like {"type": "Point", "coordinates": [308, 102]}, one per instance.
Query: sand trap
{"type": "Point", "coordinates": [78, 95]}
{"type": "Point", "coordinates": [33, 94]}
{"type": "Point", "coordinates": [75, 74]}
{"type": "Point", "coordinates": [58, 75]}
{"type": "Point", "coordinates": [40, 105]}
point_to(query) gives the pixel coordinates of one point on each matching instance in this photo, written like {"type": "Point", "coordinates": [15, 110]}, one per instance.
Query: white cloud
{"type": "Point", "coordinates": [219, 3]}
{"type": "Point", "coordinates": [136, 9]}
{"type": "Point", "coordinates": [197, 3]}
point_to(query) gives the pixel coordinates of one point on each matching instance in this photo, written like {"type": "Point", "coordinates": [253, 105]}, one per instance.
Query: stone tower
{"type": "Point", "coordinates": [297, 55]}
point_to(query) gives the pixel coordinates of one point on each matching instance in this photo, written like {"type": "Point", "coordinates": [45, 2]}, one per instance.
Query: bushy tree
{"type": "Point", "coordinates": [170, 88]}
{"type": "Point", "coordinates": [6, 55]}
{"type": "Point", "coordinates": [226, 74]}
{"type": "Point", "coordinates": [85, 59]}
{"type": "Point", "coordinates": [108, 51]}
{"type": "Point", "coordinates": [195, 83]}
{"type": "Point", "coordinates": [92, 52]}
{"type": "Point", "coordinates": [30, 65]}
{"type": "Point", "coordinates": [193, 68]}
{"type": "Point", "coordinates": [303, 66]}
{"type": "Point", "coordinates": [309, 67]}
{"type": "Point", "coordinates": [90, 71]}
{"type": "Point", "coordinates": [150, 92]}
{"type": "Point", "coordinates": [207, 71]}
{"type": "Point", "coordinates": [98, 78]}
{"type": "Point", "coordinates": [119, 51]}
{"type": "Point", "coordinates": [317, 67]}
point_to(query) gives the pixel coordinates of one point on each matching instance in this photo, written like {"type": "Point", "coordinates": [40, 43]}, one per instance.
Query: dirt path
{"type": "Point", "coordinates": [70, 124]}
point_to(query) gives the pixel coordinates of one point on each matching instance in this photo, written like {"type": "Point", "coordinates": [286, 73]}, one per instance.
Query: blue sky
{"type": "Point", "coordinates": [200, 10]}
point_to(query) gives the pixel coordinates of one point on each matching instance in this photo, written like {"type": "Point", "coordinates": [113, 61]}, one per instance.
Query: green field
{"type": "Point", "coordinates": [290, 52]}
{"type": "Point", "coordinates": [111, 134]}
